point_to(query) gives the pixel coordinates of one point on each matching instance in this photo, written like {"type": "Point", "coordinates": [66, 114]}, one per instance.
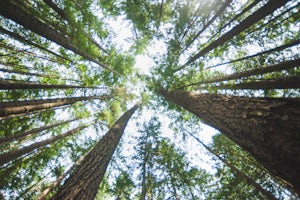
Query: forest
{"type": "Point", "coordinates": [150, 99]}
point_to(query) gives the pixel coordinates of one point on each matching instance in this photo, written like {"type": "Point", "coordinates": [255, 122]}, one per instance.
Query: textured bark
{"type": "Point", "coordinates": [28, 42]}
{"type": "Point", "coordinates": [216, 15]}
{"type": "Point", "coordinates": [262, 70]}
{"type": "Point", "coordinates": [279, 48]}
{"type": "Point", "coordinates": [14, 85]}
{"type": "Point", "coordinates": [9, 10]}
{"type": "Point", "coordinates": [12, 155]}
{"type": "Point", "coordinates": [278, 83]}
{"type": "Point", "coordinates": [239, 173]}
{"type": "Point", "coordinates": [268, 128]}
{"type": "Point", "coordinates": [19, 107]}
{"type": "Point", "coordinates": [86, 178]}
{"type": "Point", "coordinates": [267, 9]}
{"type": "Point", "coordinates": [33, 131]}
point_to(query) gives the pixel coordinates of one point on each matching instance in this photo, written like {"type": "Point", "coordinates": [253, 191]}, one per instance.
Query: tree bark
{"type": "Point", "coordinates": [268, 128]}
{"type": "Point", "coordinates": [238, 172]}
{"type": "Point", "coordinates": [18, 107]}
{"type": "Point", "coordinates": [12, 155]}
{"type": "Point", "coordinates": [267, 9]}
{"type": "Point", "coordinates": [86, 178]}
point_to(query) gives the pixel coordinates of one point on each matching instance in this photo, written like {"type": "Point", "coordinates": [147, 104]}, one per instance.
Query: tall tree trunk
{"type": "Point", "coordinates": [34, 131]}
{"type": "Point", "coordinates": [18, 107]}
{"type": "Point", "coordinates": [28, 42]}
{"type": "Point", "coordinates": [261, 70]}
{"type": "Point", "coordinates": [55, 184]}
{"type": "Point", "coordinates": [9, 10]}
{"type": "Point", "coordinates": [14, 85]}
{"type": "Point", "coordinates": [238, 172]}
{"type": "Point", "coordinates": [64, 15]}
{"type": "Point", "coordinates": [268, 128]}
{"type": "Point", "coordinates": [261, 13]}
{"type": "Point", "coordinates": [12, 155]}
{"type": "Point", "coordinates": [86, 178]}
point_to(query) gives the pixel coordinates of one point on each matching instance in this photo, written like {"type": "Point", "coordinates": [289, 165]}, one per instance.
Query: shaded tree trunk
{"type": "Point", "coordinates": [12, 155]}
{"type": "Point", "coordinates": [268, 128]}
{"type": "Point", "coordinates": [238, 172]}
{"type": "Point", "coordinates": [18, 107]}
{"type": "Point", "coordinates": [262, 12]}
{"type": "Point", "coordinates": [86, 178]}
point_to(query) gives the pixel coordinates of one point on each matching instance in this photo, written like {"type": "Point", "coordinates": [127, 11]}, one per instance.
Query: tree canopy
{"type": "Point", "coordinates": [71, 70]}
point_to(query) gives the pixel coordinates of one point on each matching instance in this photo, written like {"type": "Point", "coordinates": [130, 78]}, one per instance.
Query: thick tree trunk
{"type": "Point", "coordinates": [9, 10]}
{"type": "Point", "coordinates": [268, 128]}
{"type": "Point", "coordinates": [86, 178]}
{"type": "Point", "coordinates": [18, 107]}
{"type": "Point", "coordinates": [14, 85]}
{"type": "Point", "coordinates": [12, 155]}
{"type": "Point", "coordinates": [239, 173]}
{"type": "Point", "coordinates": [261, 13]}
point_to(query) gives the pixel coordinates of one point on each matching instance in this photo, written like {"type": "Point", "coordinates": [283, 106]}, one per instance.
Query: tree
{"type": "Point", "coordinates": [12, 155]}
{"type": "Point", "coordinates": [266, 127]}
{"type": "Point", "coordinates": [17, 107]}
{"type": "Point", "coordinates": [267, 9]}
{"type": "Point", "coordinates": [86, 178]}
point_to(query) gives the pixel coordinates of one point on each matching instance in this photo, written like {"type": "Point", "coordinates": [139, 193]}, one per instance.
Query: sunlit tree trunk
{"type": "Point", "coordinates": [12, 155]}
{"type": "Point", "coordinates": [86, 178]}
{"type": "Point", "coordinates": [268, 128]}
{"type": "Point", "coordinates": [18, 107]}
